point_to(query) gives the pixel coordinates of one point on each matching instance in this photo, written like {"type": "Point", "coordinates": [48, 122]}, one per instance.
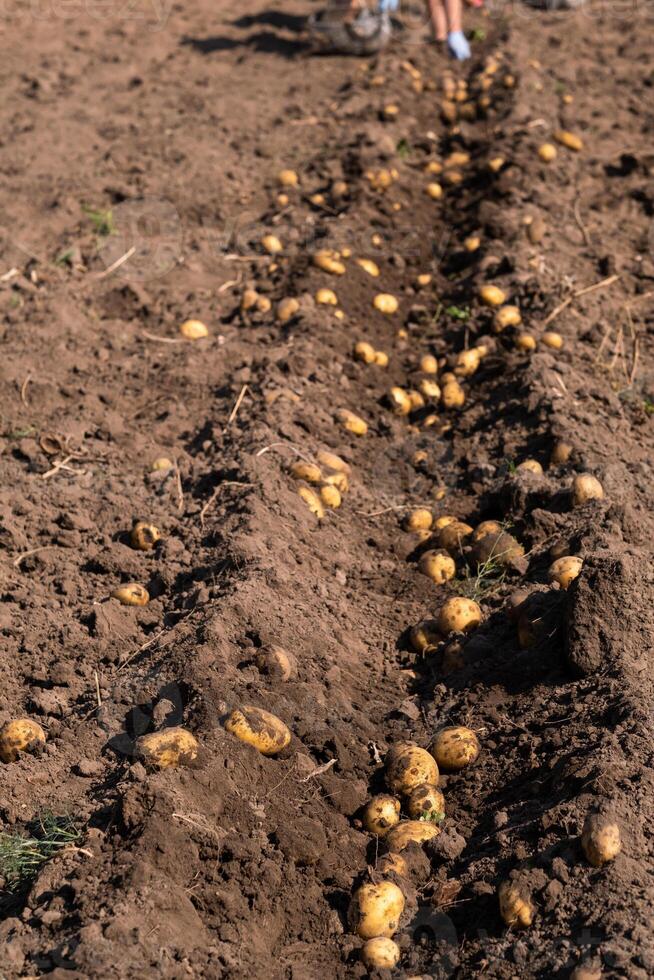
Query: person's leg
{"type": "Point", "coordinates": [438, 19]}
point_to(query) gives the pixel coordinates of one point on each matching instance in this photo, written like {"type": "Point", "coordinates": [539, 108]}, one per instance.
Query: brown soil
{"type": "Point", "coordinates": [239, 865]}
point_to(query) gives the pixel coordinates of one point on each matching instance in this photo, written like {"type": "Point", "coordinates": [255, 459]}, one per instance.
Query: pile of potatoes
{"type": "Point", "coordinates": [321, 484]}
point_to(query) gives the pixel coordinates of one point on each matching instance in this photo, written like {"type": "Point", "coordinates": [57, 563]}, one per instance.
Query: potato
{"type": "Point", "coordinates": [249, 299]}
{"type": "Point", "coordinates": [570, 140]}
{"type": "Point", "coordinates": [385, 303]}
{"type": "Point", "coordinates": [443, 521]}
{"type": "Point", "coordinates": [434, 167]}
{"type": "Point", "coordinates": [327, 260]}
{"type": "Point", "coordinates": [453, 176]}
{"type": "Point", "coordinates": [416, 399]}
{"type": "Point", "coordinates": [309, 472]}
{"type": "Point", "coordinates": [313, 501]}
{"type": "Point", "coordinates": [339, 189]}
{"type": "Point", "coordinates": [453, 536]}
{"type": "Point", "coordinates": [365, 352]}
{"type": "Point", "coordinates": [428, 364]}
{"type": "Point", "coordinates": [369, 266]}
{"type": "Point", "coordinates": [502, 549]}
{"type": "Point", "coordinates": [287, 308]}
{"type": "Point", "coordinates": [333, 462]}
{"type": "Point", "coordinates": [435, 191]}
{"type": "Point", "coordinates": [353, 423]}
{"type": "Point", "coordinates": [407, 766]}
{"type": "Point", "coordinates": [380, 953]}
{"type": "Point", "coordinates": [338, 480]}
{"type": "Point", "coordinates": [392, 864]}
{"type": "Point", "coordinates": [21, 735]}
{"type": "Point", "coordinates": [381, 358]}
{"type": "Point", "coordinates": [391, 110]}
{"type": "Point", "coordinates": [424, 636]}
{"type": "Point", "coordinates": [467, 362]}
{"type": "Point", "coordinates": [162, 463]}
{"type": "Point", "coordinates": [496, 163]}
{"type": "Point", "coordinates": [515, 904]}
{"type": "Point", "coordinates": [426, 801]}
{"type": "Point", "coordinates": [193, 330]}
{"type": "Point", "coordinates": [400, 401]}
{"type": "Point", "coordinates": [529, 466]}
{"type": "Point", "coordinates": [552, 340]}
{"type": "Point", "coordinates": [525, 342]}
{"type": "Point", "coordinates": [381, 814]}
{"type": "Point", "coordinates": [561, 453]}
{"type": "Point", "coordinates": [143, 535]}
{"type": "Point", "coordinates": [272, 244]}
{"type": "Point", "coordinates": [423, 279]}
{"type": "Point", "coordinates": [326, 297]}
{"type": "Point", "coordinates": [454, 748]}
{"type": "Point", "coordinates": [458, 615]}
{"type": "Point", "coordinates": [167, 749]}
{"type": "Point", "coordinates": [600, 839]}
{"type": "Point", "coordinates": [547, 152]}
{"type": "Point", "coordinates": [506, 316]}
{"type": "Point", "coordinates": [132, 594]}
{"type": "Point", "coordinates": [452, 395]}
{"type": "Point", "coordinates": [263, 304]}
{"type": "Point", "coordinates": [438, 566]}
{"type": "Point", "coordinates": [472, 243]}
{"type": "Point", "coordinates": [288, 178]}
{"type": "Point", "coordinates": [429, 389]}
{"type": "Point", "coordinates": [282, 200]}
{"type": "Point", "coordinates": [267, 733]}
{"type": "Point", "coordinates": [565, 570]}
{"type": "Point", "coordinates": [330, 496]}
{"type": "Point", "coordinates": [411, 832]}
{"type": "Point", "coordinates": [276, 662]}
{"type": "Point", "coordinates": [376, 910]}
{"type": "Point", "coordinates": [486, 527]}
{"type": "Point", "coordinates": [586, 487]}
{"type": "Point", "coordinates": [419, 520]}
{"type": "Point", "coordinates": [457, 158]}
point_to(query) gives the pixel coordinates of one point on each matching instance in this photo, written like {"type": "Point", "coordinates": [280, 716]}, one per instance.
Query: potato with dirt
{"type": "Point", "coordinates": [376, 910]}
{"type": "Point", "coordinates": [381, 814]}
{"type": "Point", "coordinates": [409, 832]}
{"type": "Point", "coordinates": [20, 736]}
{"type": "Point", "coordinates": [408, 766]}
{"type": "Point", "coordinates": [458, 615]}
{"type": "Point", "coordinates": [264, 731]}
{"type": "Point", "coordinates": [380, 953]}
{"type": "Point", "coordinates": [167, 749]}
{"type": "Point", "coordinates": [455, 748]}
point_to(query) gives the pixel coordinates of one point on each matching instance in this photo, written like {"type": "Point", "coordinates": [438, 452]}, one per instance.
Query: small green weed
{"type": "Point", "coordinates": [21, 855]}
{"type": "Point", "coordinates": [458, 312]}
{"type": "Point", "coordinates": [432, 816]}
{"type": "Point", "coordinates": [103, 221]}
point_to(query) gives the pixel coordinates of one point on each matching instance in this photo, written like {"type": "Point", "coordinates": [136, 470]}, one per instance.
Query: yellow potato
{"type": "Point", "coordinates": [376, 910]}
{"type": "Point", "coordinates": [565, 570]}
{"type": "Point", "coordinates": [530, 466]}
{"type": "Point", "coordinates": [525, 342]}
{"type": "Point", "coordinates": [443, 521]}
{"type": "Point", "coordinates": [434, 167]}
{"type": "Point", "coordinates": [426, 801]}
{"type": "Point", "coordinates": [288, 178]}
{"type": "Point", "coordinates": [508, 81]}
{"type": "Point", "coordinates": [276, 662]}
{"type": "Point", "coordinates": [330, 496]}
{"type": "Point", "coordinates": [547, 152]}
{"type": "Point", "coordinates": [381, 358]}
{"type": "Point", "coordinates": [600, 840]}
{"type": "Point", "coordinates": [249, 299]}
{"type": "Point", "coordinates": [267, 733]}
{"type": "Point", "coordinates": [338, 480]}
{"type": "Point", "coordinates": [162, 463]}
{"type": "Point", "coordinates": [570, 140]}
{"type": "Point", "coordinates": [586, 487]}
{"type": "Point", "coordinates": [327, 260]}
{"type": "Point", "coordinates": [419, 520]}
{"type": "Point", "coordinates": [561, 453]}
{"type": "Point", "coordinates": [287, 308]}
{"type": "Point", "coordinates": [168, 748]}
{"type": "Point", "coordinates": [309, 472]}
{"type": "Point", "coordinates": [453, 176]}
{"type": "Point", "coordinates": [438, 566]}
{"type": "Point", "coordinates": [400, 401]}
{"type": "Point", "coordinates": [429, 389]}
{"type": "Point", "coordinates": [333, 462]}
{"type": "Point", "coordinates": [381, 814]}
{"type": "Point", "coordinates": [453, 536]}
{"type": "Point", "coordinates": [282, 200]}
{"type": "Point", "coordinates": [143, 535]}
{"type": "Point", "coordinates": [392, 864]}
{"type": "Point", "coordinates": [132, 594]}
{"type": "Point", "coordinates": [496, 163]}
{"type": "Point", "coordinates": [452, 395]}
{"type": "Point", "coordinates": [515, 904]}
{"type": "Point", "coordinates": [454, 748]}
{"type": "Point", "coordinates": [193, 330]}
{"type": "Point", "coordinates": [423, 279]}
{"type": "Point", "coordinates": [458, 615]}
{"type": "Point", "coordinates": [380, 953]}
{"type": "Point", "coordinates": [467, 362]}
{"type": "Point", "coordinates": [385, 303]}
{"type": "Point", "coordinates": [506, 316]}
{"type": "Point", "coordinates": [391, 110]}
{"type": "Point", "coordinates": [369, 266]}
{"type": "Point", "coordinates": [365, 352]}
{"type": "Point", "coordinates": [272, 244]}
{"type": "Point", "coordinates": [411, 832]}
{"type": "Point", "coordinates": [424, 636]}
{"type": "Point", "coordinates": [313, 501]}
{"type": "Point", "coordinates": [326, 297]}
{"type": "Point", "coordinates": [552, 340]}
{"type": "Point", "coordinates": [492, 295]}
{"type": "Point", "coordinates": [263, 304]}
{"type": "Point", "coordinates": [501, 548]}
{"type": "Point", "coordinates": [407, 766]}
{"type": "Point", "coordinates": [472, 243]}
{"type": "Point", "coordinates": [486, 527]}
{"type": "Point", "coordinates": [21, 735]}
{"type": "Point", "coordinates": [435, 191]}
{"type": "Point", "coordinates": [428, 364]}
{"type": "Point", "coordinates": [353, 423]}
{"type": "Point", "coordinates": [416, 399]}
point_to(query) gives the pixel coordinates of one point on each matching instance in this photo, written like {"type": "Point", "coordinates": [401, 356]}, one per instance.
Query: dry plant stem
{"type": "Point", "coordinates": [23, 389]}
{"type": "Point", "coordinates": [162, 340]}
{"type": "Point", "coordinates": [214, 495]}
{"type": "Point", "coordinates": [117, 264]}
{"type": "Point", "coordinates": [579, 292]}
{"type": "Point", "coordinates": [26, 554]}
{"type": "Point", "coordinates": [285, 445]}
{"type": "Point", "coordinates": [237, 405]}
{"type": "Point", "coordinates": [57, 467]}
